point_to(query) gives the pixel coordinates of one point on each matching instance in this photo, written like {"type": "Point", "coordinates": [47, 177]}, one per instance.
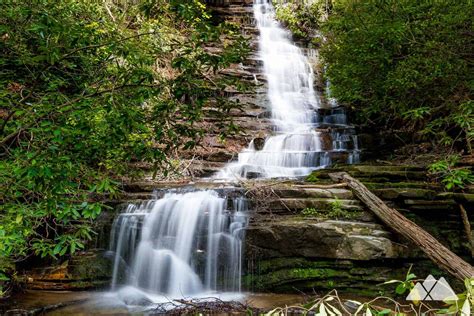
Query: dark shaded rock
{"type": "Point", "coordinates": [85, 270]}
{"type": "Point", "coordinates": [326, 141]}
{"type": "Point", "coordinates": [296, 274]}
{"type": "Point", "coordinates": [298, 204]}
{"type": "Point", "coordinates": [259, 143]}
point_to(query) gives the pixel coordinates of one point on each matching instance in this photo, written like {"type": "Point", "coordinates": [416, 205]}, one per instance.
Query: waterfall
{"type": "Point", "coordinates": [301, 134]}
{"type": "Point", "coordinates": [190, 243]}
{"type": "Point", "coordinates": [182, 244]}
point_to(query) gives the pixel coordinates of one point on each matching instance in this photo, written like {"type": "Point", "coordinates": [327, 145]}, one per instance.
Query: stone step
{"type": "Point", "coordinates": [243, 74]}
{"type": "Point", "coordinates": [395, 193]}
{"type": "Point", "coordinates": [298, 204]}
{"type": "Point", "coordinates": [253, 30]}
{"type": "Point", "coordinates": [149, 186]}
{"type": "Point", "coordinates": [136, 196]}
{"type": "Point", "coordinates": [372, 185]}
{"type": "Point", "coordinates": [460, 197]}
{"type": "Point", "coordinates": [377, 173]}
{"type": "Point", "coordinates": [302, 192]}
{"type": "Point", "coordinates": [85, 270]}
{"type": "Point", "coordinates": [233, 11]}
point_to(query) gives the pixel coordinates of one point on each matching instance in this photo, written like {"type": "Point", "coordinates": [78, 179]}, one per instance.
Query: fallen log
{"type": "Point", "coordinates": [438, 253]}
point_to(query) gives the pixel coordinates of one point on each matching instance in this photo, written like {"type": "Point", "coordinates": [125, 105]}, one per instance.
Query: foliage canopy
{"type": "Point", "coordinates": [404, 65]}
{"type": "Point", "coordinates": [87, 88]}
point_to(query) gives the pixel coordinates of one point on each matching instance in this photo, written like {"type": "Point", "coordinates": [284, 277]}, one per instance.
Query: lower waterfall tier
{"type": "Point", "coordinates": [181, 244]}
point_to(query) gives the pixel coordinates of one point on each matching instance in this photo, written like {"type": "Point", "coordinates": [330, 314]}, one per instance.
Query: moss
{"type": "Point", "coordinates": [317, 176]}
{"type": "Point", "coordinates": [421, 185]}
{"type": "Point", "coordinates": [83, 285]}
{"type": "Point", "coordinates": [277, 279]}
{"type": "Point", "coordinates": [332, 213]}
{"type": "Point", "coordinates": [89, 266]}
{"type": "Point", "coordinates": [384, 176]}
{"type": "Point", "coordinates": [295, 274]}
{"type": "Point", "coordinates": [312, 178]}
{"type": "Point", "coordinates": [266, 266]}
{"type": "Point", "coordinates": [323, 279]}
{"type": "Point", "coordinates": [461, 197]}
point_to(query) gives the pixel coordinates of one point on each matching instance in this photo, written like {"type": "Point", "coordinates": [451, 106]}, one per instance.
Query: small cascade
{"type": "Point", "coordinates": [306, 134]}
{"type": "Point", "coordinates": [182, 244]}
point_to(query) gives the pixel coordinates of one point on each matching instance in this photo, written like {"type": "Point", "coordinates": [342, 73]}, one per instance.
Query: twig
{"type": "Point", "coordinates": [109, 12]}
{"type": "Point", "coordinates": [467, 228]}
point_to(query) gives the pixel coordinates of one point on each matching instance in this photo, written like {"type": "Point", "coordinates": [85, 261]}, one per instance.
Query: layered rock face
{"type": "Point", "coordinates": [307, 238]}
{"type": "Point", "coordinates": [251, 119]}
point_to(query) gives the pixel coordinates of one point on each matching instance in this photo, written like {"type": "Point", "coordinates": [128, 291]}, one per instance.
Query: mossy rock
{"type": "Point", "coordinates": [404, 185]}
{"type": "Point", "coordinates": [278, 279]}
{"type": "Point", "coordinates": [90, 266]}
{"type": "Point", "coordinates": [414, 193]}
{"type": "Point", "coordinates": [265, 266]}
{"type": "Point", "coordinates": [373, 173]}
{"type": "Point", "coordinates": [293, 274]}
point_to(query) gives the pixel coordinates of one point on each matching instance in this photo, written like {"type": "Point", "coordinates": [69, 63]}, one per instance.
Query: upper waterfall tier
{"type": "Point", "coordinates": [288, 72]}
{"type": "Point", "coordinates": [306, 135]}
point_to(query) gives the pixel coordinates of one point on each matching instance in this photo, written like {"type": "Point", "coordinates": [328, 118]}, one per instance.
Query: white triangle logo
{"type": "Point", "coordinates": [432, 290]}
{"type": "Point", "coordinates": [442, 291]}
{"type": "Point", "coordinates": [418, 293]}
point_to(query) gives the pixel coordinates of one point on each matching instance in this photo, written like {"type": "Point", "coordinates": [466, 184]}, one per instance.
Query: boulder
{"type": "Point", "coordinates": [293, 236]}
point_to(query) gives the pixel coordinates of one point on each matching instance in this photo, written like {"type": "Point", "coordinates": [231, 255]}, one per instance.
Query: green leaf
{"type": "Point", "coordinates": [3, 277]}
{"type": "Point", "coordinates": [400, 289]}
{"type": "Point", "coordinates": [57, 249]}
{"type": "Point", "coordinates": [63, 251]}
{"type": "Point", "coordinates": [466, 308]}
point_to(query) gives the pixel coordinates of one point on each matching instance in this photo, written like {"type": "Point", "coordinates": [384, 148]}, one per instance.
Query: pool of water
{"type": "Point", "coordinates": [123, 302]}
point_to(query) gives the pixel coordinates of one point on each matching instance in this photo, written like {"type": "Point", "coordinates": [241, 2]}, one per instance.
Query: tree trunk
{"type": "Point", "coordinates": [440, 255]}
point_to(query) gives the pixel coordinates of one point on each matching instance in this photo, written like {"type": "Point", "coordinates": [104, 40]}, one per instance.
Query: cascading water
{"type": "Point", "coordinates": [182, 244]}
{"type": "Point", "coordinates": [189, 243]}
{"type": "Point", "coordinates": [300, 144]}
{"type": "Point", "coordinates": [288, 72]}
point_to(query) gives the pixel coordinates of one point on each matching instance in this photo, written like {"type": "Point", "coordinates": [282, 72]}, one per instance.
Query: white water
{"type": "Point", "coordinates": [288, 72]}
{"type": "Point", "coordinates": [180, 245]}
{"type": "Point", "coordinates": [296, 149]}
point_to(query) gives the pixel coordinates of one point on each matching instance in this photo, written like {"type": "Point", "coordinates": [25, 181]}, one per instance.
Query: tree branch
{"type": "Point", "coordinates": [11, 136]}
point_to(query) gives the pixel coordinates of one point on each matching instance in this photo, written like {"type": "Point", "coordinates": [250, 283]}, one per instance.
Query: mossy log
{"type": "Point", "coordinates": [437, 252]}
